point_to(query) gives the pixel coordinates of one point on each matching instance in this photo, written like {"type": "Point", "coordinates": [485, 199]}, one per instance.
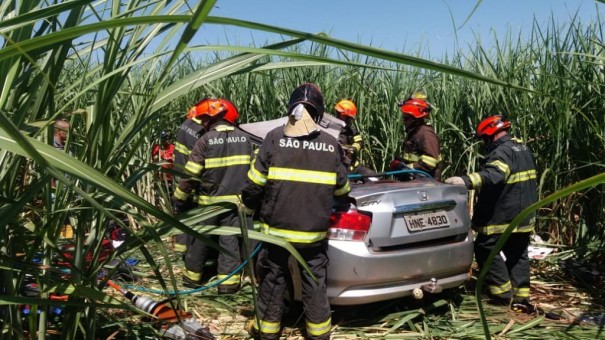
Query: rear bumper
{"type": "Point", "coordinates": [357, 276]}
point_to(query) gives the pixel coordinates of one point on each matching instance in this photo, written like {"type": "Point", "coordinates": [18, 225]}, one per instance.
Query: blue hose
{"type": "Point", "coordinates": [200, 289]}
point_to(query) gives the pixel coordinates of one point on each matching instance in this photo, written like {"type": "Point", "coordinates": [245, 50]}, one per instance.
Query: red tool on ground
{"type": "Point", "coordinates": [159, 309]}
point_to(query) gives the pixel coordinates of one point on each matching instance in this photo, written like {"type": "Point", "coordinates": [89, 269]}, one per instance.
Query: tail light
{"type": "Point", "coordinates": [349, 226]}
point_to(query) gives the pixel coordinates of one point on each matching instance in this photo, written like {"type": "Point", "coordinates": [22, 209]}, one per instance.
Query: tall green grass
{"type": "Point", "coordinates": [113, 69]}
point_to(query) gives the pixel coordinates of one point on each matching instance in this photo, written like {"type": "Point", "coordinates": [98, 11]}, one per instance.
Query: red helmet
{"type": "Point", "coordinates": [416, 107]}
{"type": "Point", "coordinates": [492, 125]}
{"type": "Point", "coordinates": [232, 115]}
{"type": "Point", "coordinates": [346, 108]}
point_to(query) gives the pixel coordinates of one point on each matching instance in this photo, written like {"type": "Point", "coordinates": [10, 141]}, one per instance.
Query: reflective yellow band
{"type": "Point", "coordinates": [193, 275]}
{"type": "Point", "coordinates": [193, 167]}
{"type": "Point", "coordinates": [181, 148]}
{"type": "Point", "coordinates": [411, 157]}
{"type": "Point", "coordinates": [497, 290]}
{"type": "Point", "coordinates": [357, 138]}
{"type": "Point", "coordinates": [475, 180]}
{"type": "Point", "coordinates": [233, 280]}
{"type": "Point", "coordinates": [518, 140]}
{"type": "Point", "coordinates": [503, 167]}
{"type": "Point", "coordinates": [343, 190]}
{"type": "Point", "coordinates": [356, 146]}
{"type": "Point", "coordinates": [222, 128]}
{"type": "Point", "coordinates": [257, 177]}
{"type": "Point", "coordinates": [221, 162]}
{"type": "Point", "coordinates": [521, 176]}
{"type": "Point", "coordinates": [197, 120]}
{"type": "Point", "coordinates": [428, 160]}
{"type": "Point", "coordinates": [306, 176]}
{"type": "Point", "coordinates": [256, 225]}
{"type": "Point", "coordinates": [207, 200]}
{"type": "Point", "coordinates": [500, 228]}
{"type": "Point", "coordinates": [294, 236]}
{"type": "Point", "coordinates": [521, 292]}
{"type": "Point", "coordinates": [266, 327]}
{"type": "Point", "coordinates": [180, 248]}
{"type": "Point", "coordinates": [180, 194]}
{"type": "Point", "coordinates": [318, 329]}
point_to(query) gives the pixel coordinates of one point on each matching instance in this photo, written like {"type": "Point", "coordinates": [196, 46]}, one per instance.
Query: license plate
{"type": "Point", "coordinates": [426, 221]}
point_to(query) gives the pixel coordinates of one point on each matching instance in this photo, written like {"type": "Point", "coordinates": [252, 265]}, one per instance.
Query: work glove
{"type": "Point", "coordinates": [455, 181]}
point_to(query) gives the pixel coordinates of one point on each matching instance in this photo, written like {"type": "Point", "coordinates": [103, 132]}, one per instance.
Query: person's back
{"type": "Point", "coordinates": [295, 179]}
{"type": "Point", "coordinates": [511, 187]}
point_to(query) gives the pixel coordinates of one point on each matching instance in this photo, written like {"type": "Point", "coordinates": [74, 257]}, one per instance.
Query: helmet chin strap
{"type": "Point", "coordinates": [300, 123]}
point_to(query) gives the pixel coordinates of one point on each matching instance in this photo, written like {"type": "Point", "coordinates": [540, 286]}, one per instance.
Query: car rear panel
{"type": "Point", "coordinates": [398, 255]}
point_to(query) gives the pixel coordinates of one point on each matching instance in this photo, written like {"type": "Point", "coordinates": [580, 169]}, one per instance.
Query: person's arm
{"type": "Point", "coordinates": [253, 192]}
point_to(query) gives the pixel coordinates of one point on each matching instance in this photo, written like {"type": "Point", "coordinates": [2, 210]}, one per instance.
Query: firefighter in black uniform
{"type": "Point", "coordinates": [350, 139]}
{"type": "Point", "coordinates": [221, 158]}
{"type": "Point", "coordinates": [188, 133]}
{"type": "Point", "coordinates": [421, 149]}
{"type": "Point", "coordinates": [507, 185]}
{"type": "Point", "coordinates": [294, 181]}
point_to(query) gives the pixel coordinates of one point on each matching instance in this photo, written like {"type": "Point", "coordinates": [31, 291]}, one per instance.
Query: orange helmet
{"type": "Point", "coordinates": [492, 125]}
{"type": "Point", "coordinates": [207, 107]}
{"type": "Point", "coordinates": [232, 115]}
{"type": "Point", "coordinates": [416, 107]}
{"type": "Point", "coordinates": [346, 108]}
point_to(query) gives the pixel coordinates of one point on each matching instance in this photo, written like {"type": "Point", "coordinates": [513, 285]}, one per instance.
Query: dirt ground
{"type": "Point", "coordinates": [567, 292]}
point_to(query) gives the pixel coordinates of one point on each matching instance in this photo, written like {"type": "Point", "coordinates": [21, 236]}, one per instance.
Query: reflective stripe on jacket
{"type": "Point", "coordinates": [507, 184]}
{"type": "Point", "coordinates": [189, 132]}
{"type": "Point", "coordinates": [296, 180]}
{"type": "Point", "coordinates": [221, 159]}
{"type": "Point", "coordinates": [421, 150]}
{"type": "Point", "coordinates": [351, 138]}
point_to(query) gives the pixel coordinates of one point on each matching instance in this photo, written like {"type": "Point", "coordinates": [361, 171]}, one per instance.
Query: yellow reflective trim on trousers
{"type": "Point", "coordinates": [356, 146]}
{"type": "Point", "coordinates": [343, 190]}
{"type": "Point", "coordinates": [475, 180]}
{"type": "Point", "coordinates": [266, 327]}
{"type": "Point", "coordinates": [521, 176]}
{"type": "Point", "coordinates": [193, 167]}
{"type": "Point", "coordinates": [182, 148]}
{"type": "Point", "coordinates": [294, 236]}
{"type": "Point", "coordinates": [497, 290]}
{"type": "Point", "coordinates": [428, 160]}
{"type": "Point", "coordinates": [221, 162]}
{"type": "Point", "coordinates": [180, 194]}
{"type": "Point", "coordinates": [521, 292]}
{"type": "Point", "coordinates": [257, 177]}
{"type": "Point", "coordinates": [233, 280]}
{"type": "Point", "coordinates": [193, 275]}
{"type": "Point", "coordinates": [318, 329]}
{"type": "Point", "coordinates": [306, 176]}
{"type": "Point", "coordinates": [500, 228]}
{"type": "Point", "coordinates": [357, 139]}
{"type": "Point", "coordinates": [207, 200]}
{"type": "Point", "coordinates": [503, 167]}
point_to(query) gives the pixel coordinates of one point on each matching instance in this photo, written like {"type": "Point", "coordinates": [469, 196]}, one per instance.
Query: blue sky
{"type": "Point", "coordinates": [399, 25]}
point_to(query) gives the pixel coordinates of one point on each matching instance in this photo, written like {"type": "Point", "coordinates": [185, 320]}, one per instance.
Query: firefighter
{"type": "Point", "coordinates": [421, 146]}
{"type": "Point", "coordinates": [296, 178]}
{"type": "Point", "coordinates": [350, 139]}
{"type": "Point", "coordinates": [188, 133]}
{"type": "Point", "coordinates": [221, 159]}
{"type": "Point", "coordinates": [506, 185]}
